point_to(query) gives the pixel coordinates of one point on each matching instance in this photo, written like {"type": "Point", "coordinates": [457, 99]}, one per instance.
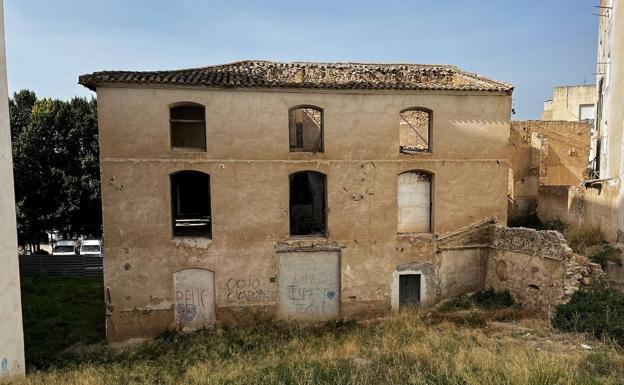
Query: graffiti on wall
{"type": "Point", "coordinates": [309, 285]}
{"type": "Point", "coordinates": [310, 300]}
{"type": "Point", "coordinates": [243, 290]}
{"type": "Point", "coordinates": [4, 368]}
{"type": "Point", "coordinates": [194, 306]}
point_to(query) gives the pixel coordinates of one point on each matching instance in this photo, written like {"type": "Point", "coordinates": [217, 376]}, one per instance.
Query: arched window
{"type": "Point", "coordinates": [414, 202]}
{"type": "Point", "coordinates": [308, 214]}
{"type": "Point", "coordinates": [188, 127]}
{"type": "Point", "coordinates": [190, 204]}
{"type": "Point", "coordinates": [305, 127]}
{"type": "Point", "coordinates": [415, 130]}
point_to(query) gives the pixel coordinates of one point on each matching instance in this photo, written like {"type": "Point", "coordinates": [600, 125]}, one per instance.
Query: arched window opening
{"type": "Point", "coordinates": [308, 214]}
{"type": "Point", "coordinates": [414, 202]}
{"type": "Point", "coordinates": [188, 127]}
{"type": "Point", "coordinates": [305, 125]}
{"type": "Point", "coordinates": [415, 130]}
{"type": "Point", "coordinates": [190, 204]}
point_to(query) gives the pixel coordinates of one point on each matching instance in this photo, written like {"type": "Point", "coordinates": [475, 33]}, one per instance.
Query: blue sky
{"type": "Point", "coordinates": [532, 44]}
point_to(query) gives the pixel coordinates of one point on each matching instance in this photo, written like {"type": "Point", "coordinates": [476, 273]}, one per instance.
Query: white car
{"type": "Point", "coordinates": [65, 247]}
{"type": "Point", "coordinates": [91, 247]}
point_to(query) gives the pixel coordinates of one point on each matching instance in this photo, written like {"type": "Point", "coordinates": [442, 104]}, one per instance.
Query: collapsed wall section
{"type": "Point", "coordinates": [537, 267]}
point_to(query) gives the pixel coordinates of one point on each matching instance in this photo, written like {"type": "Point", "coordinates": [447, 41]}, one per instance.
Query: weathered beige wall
{"type": "Point", "coordinates": [566, 101]}
{"type": "Point", "coordinates": [11, 335]}
{"type": "Point", "coordinates": [248, 160]}
{"type": "Point", "coordinates": [545, 153]}
{"type": "Point", "coordinates": [578, 205]}
{"type": "Point", "coordinates": [462, 270]}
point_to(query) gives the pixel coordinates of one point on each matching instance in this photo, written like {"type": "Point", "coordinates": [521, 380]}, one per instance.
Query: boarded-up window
{"type": "Point", "coordinates": [307, 203]}
{"type": "Point", "coordinates": [415, 130]}
{"type": "Point", "coordinates": [190, 204]}
{"type": "Point", "coordinates": [306, 129]}
{"type": "Point", "coordinates": [188, 127]}
{"type": "Point", "coordinates": [414, 201]}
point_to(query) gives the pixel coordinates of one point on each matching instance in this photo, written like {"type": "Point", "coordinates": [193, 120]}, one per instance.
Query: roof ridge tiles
{"type": "Point", "coordinates": [321, 75]}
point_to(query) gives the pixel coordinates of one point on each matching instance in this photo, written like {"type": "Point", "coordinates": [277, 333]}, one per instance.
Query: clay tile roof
{"type": "Point", "coordinates": [266, 74]}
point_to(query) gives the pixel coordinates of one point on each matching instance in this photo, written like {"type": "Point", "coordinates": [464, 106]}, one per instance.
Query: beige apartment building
{"type": "Point", "coordinates": [301, 191]}
{"type": "Point", "coordinates": [571, 103]}
{"type": "Point", "coordinates": [11, 334]}
{"type": "Point", "coordinates": [605, 207]}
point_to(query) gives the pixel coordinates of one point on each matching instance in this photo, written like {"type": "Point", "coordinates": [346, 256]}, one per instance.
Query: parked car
{"type": "Point", "coordinates": [91, 247]}
{"type": "Point", "coordinates": [65, 247]}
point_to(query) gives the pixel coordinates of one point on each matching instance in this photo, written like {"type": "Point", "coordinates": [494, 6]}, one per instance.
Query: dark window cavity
{"type": "Point", "coordinates": [307, 203]}
{"type": "Point", "coordinates": [188, 127]}
{"type": "Point", "coordinates": [415, 130]}
{"type": "Point", "coordinates": [190, 204]}
{"type": "Point", "coordinates": [305, 129]}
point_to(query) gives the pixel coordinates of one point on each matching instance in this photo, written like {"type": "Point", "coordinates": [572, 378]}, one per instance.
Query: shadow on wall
{"type": "Point", "coordinates": [581, 206]}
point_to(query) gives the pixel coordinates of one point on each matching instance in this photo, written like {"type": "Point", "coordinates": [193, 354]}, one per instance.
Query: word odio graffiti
{"type": "Point", "coordinates": [192, 304]}
{"type": "Point", "coordinates": [243, 290]}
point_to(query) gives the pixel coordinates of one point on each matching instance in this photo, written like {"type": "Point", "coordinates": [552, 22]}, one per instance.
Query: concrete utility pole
{"type": "Point", "coordinates": [11, 333]}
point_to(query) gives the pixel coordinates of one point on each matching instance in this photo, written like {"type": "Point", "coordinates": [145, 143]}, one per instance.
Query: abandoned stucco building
{"type": "Point", "coordinates": [304, 191]}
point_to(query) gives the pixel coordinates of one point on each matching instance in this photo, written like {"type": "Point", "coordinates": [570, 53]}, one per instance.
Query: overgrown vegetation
{"type": "Point", "coordinates": [604, 254]}
{"type": "Point", "coordinates": [597, 310]}
{"type": "Point", "coordinates": [403, 349]}
{"type": "Point", "coordinates": [484, 299]}
{"type": "Point", "coordinates": [579, 238]}
{"type": "Point", "coordinates": [409, 348]}
{"type": "Point", "coordinates": [58, 313]}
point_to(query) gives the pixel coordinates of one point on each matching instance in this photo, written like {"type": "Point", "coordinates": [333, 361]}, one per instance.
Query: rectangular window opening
{"type": "Point", "coordinates": [188, 128]}
{"type": "Point", "coordinates": [414, 131]}
{"type": "Point", "coordinates": [307, 204]}
{"type": "Point", "coordinates": [190, 192]}
{"type": "Point", "coordinates": [306, 129]}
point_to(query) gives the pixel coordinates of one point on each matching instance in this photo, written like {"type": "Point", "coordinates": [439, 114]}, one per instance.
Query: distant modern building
{"type": "Point", "coordinates": [571, 103]}
{"type": "Point", "coordinates": [11, 335]}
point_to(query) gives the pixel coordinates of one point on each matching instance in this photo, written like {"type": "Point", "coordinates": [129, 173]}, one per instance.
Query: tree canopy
{"type": "Point", "coordinates": [56, 166]}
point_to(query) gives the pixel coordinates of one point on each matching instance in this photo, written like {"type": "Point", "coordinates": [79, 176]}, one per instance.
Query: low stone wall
{"type": "Point", "coordinates": [536, 267]}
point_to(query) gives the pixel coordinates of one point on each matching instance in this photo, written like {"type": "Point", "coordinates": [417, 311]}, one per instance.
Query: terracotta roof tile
{"type": "Point", "coordinates": [266, 74]}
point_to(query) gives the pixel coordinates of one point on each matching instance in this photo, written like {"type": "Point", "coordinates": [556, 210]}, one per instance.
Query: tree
{"type": "Point", "coordinates": [55, 155]}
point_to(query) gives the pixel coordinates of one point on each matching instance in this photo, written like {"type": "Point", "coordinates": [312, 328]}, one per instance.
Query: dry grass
{"type": "Point", "coordinates": [581, 237]}
{"type": "Point", "coordinates": [405, 349]}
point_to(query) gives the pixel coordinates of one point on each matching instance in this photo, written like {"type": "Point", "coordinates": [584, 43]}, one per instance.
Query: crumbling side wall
{"type": "Point", "coordinates": [544, 153]}
{"type": "Point", "coordinates": [579, 205]}
{"type": "Point", "coordinates": [536, 267]}
{"type": "Point", "coordinates": [462, 259]}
